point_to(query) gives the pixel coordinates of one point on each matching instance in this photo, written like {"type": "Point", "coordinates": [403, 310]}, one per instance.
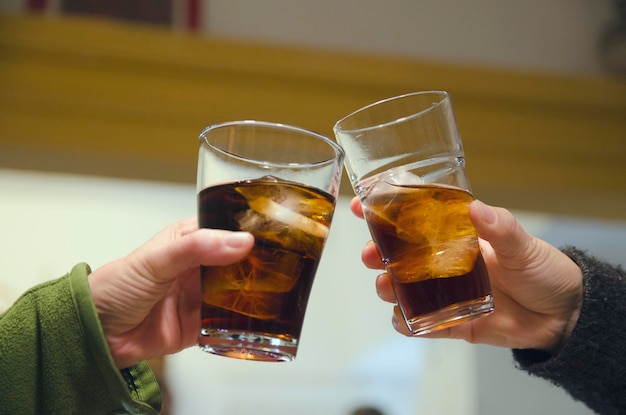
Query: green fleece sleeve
{"type": "Point", "coordinates": [54, 358]}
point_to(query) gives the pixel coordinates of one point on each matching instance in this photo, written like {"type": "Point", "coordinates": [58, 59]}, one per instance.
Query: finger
{"type": "Point", "coordinates": [371, 257]}
{"type": "Point", "coordinates": [397, 320]}
{"type": "Point", "coordinates": [356, 208]}
{"type": "Point", "coordinates": [201, 247]}
{"type": "Point", "coordinates": [384, 288]}
{"type": "Point", "coordinates": [173, 231]}
{"type": "Point", "coordinates": [187, 226]}
{"type": "Point", "coordinates": [499, 227]}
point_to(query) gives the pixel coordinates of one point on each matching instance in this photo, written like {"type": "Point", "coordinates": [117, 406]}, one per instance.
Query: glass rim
{"type": "Point", "coordinates": [444, 95]}
{"type": "Point", "coordinates": [339, 151]}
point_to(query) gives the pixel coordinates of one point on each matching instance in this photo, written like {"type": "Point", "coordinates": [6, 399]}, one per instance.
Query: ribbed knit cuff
{"type": "Point", "coordinates": [591, 366]}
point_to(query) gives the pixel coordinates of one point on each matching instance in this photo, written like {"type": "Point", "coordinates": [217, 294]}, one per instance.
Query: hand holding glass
{"type": "Point", "coordinates": [406, 163]}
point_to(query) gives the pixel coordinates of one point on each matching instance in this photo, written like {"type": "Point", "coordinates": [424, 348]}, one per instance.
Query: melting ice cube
{"type": "Point", "coordinates": [393, 179]}
{"type": "Point", "coordinates": [287, 216]}
{"type": "Point", "coordinates": [455, 257]}
{"type": "Point", "coordinates": [401, 176]}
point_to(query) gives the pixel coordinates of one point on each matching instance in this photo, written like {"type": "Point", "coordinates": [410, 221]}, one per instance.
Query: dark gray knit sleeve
{"type": "Point", "coordinates": [591, 366]}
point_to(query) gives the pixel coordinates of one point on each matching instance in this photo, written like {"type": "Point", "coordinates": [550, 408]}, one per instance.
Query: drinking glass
{"type": "Point", "coordinates": [280, 183]}
{"type": "Point", "coordinates": [406, 163]}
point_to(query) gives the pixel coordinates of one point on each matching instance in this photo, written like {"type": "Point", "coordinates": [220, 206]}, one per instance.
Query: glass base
{"type": "Point", "coordinates": [248, 346]}
{"type": "Point", "coordinates": [451, 316]}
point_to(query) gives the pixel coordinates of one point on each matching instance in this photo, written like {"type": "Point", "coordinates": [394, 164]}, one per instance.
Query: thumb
{"type": "Point", "coordinates": [200, 247]}
{"type": "Point", "coordinates": [499, 227]}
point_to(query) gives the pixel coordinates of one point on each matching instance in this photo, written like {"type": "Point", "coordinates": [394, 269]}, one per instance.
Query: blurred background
{"type": "Point", "coordinates": [101, 103]}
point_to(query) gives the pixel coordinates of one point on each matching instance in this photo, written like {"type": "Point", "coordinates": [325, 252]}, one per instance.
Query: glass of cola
{"type": "Point", "coordinates": [280, 183]}
{"type": "Point", "coordinates": [406, 163]}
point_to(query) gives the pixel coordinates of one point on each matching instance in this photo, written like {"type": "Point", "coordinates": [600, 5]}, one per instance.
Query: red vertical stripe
{"type": "Point", "coordinates": [37, 4]}
{"type": "Point", "coordinates": [193, 14]}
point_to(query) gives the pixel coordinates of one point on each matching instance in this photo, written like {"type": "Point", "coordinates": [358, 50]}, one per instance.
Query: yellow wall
{"type": "Point", "coordinates": [105, 98]}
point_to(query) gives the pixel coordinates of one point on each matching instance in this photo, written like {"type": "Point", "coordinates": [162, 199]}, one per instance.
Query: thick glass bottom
{"type": "Point", "coordinates": [450, 316]}
{"type": "Point", "coordinates": [248, 346]}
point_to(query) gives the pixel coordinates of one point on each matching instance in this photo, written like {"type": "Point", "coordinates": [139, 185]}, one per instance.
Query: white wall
{"type": "Point", "coordinates": [556, 36]}
{"type": "Point", "coordinates": [50, 222]}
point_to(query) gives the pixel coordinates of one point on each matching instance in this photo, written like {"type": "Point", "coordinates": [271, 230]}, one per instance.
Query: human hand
{"type": "Point", "coordinates": [537, 289]}
{"type": "Point", "coordinates": [149, 302]}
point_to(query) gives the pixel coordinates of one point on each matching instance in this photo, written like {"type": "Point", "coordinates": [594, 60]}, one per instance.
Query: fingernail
{"type": "Point", "coordinates": [487, 212]}
{"type": "Point", "coordinates": [237, 239]}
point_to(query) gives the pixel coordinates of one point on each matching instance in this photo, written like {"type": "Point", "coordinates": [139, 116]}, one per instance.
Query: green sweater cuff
{"type": "Point", "coordinates": [136, 387]}
{"type": "Point", "coordinates": [54, 357]}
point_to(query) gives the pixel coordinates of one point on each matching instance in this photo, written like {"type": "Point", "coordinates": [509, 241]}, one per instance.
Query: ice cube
{"type": "Point", "coordinates": [401, 176]}
{"type": "Point", "coordinates": [447, 259]}
{"type": "Point", "coordinates": [454, 258]}
{"type": "Point", "coordinates": [250, 303]}
{"type": "Point", "coordinates": [393, 180]}
{"type": "Point", "coordinates": [255, 286]}
{"type": "Point", "coordinates": [281, 213]}
{"type": "Point", "coordinates": [275, 270]}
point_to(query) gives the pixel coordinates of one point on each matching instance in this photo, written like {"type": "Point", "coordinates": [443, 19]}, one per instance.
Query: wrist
{"type": "Point", "coordinates": [573, 313]}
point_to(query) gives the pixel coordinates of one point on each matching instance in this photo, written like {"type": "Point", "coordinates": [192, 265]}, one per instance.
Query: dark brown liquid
{"type": "Point", "coordinates": [268, 291]}
{"type": "Point", "coordinates": [424, 297]}
{"type": "Point", "coordinates": [429, 246]}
